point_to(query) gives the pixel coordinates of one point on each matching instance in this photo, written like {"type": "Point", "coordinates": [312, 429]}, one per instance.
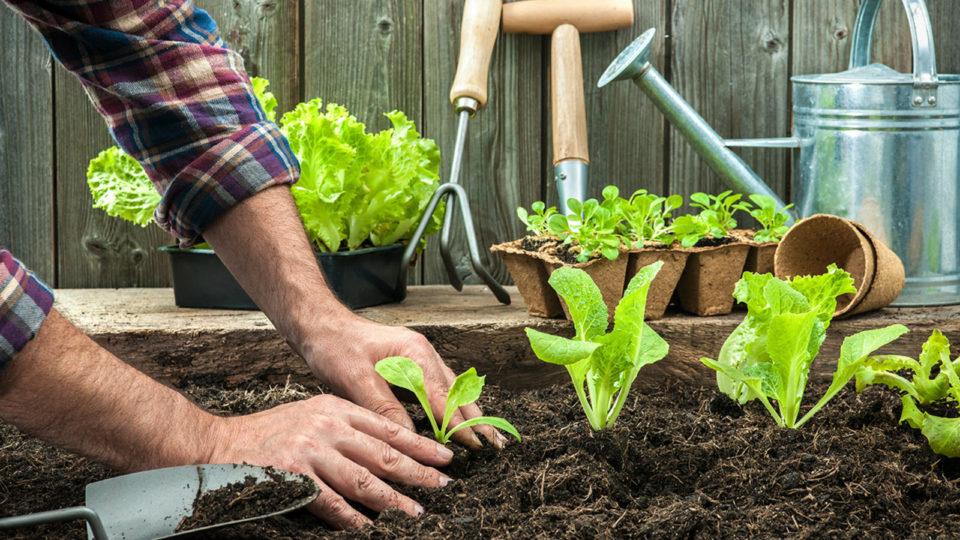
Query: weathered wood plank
{"type": "Point", "coordinates": [730, 61]}
{"type": "Point", "coordinates": [470, 329]}
{"type": "Point", "coordinates": [94, 249]}
{"type": "Point", "coordinates": [26, 147]}
{"type": "Point", "coordinates": [625, 130]}
{"type": "Point", "coordinates": [823, 32]}
{"type": "Point", "coordinates": [266, 33]}
{"type": "Point", "coordinates": [502, 164]}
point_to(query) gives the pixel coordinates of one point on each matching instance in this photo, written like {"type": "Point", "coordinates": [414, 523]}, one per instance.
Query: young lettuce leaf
{"type": "Point", "coordinates": [120, 187]}
{"type": "Point", "coordinates": [602, 366]}
{"type": "Point", "coordinates": [357, 188]}
{"type": "Point", "coordinates": [769, 355]}
{"type": "Point", "coordinates": [922, 389]}
{"type": "Point", "coordinates": [405, 373]}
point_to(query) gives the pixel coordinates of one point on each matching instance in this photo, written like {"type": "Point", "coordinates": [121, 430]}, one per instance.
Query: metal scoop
{"type": "Point", "coordinates": [150, 504]}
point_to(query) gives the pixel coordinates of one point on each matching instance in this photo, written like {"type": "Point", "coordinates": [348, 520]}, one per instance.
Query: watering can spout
{"type": "Point", "coordinates": [634, 64]}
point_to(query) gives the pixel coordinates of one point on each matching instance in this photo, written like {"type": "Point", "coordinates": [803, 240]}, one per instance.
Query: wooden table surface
{"type": "Point", "coordinates": [468, 328]}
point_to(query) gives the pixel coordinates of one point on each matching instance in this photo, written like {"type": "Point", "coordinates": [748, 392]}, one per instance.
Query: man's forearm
{"type": "Point", "coordinates": [69, 391]}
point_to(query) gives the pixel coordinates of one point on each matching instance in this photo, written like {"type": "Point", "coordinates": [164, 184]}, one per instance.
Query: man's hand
{"type": "Point", "coordinates": [346, 361]}
{"type": "Point", "coordinates": [345, 449]}
{"type": "Point", "coordinates": [262, 241]}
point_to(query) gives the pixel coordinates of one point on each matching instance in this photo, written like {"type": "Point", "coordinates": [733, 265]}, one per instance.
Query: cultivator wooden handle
{"type": "Point", "coordinates": [567, 97]}
{"type": "Point", "coordinates": [478, 32]}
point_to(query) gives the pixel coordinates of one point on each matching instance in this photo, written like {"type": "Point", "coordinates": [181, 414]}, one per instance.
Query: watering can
{"type": "Point", "coordinates": [869, 144]}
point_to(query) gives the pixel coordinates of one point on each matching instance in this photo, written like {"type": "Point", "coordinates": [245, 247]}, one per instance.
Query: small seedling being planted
{"type": "Point", "coordinates": [769, 355]}
{"type": "Point", "coordinates": [405, 373]}
{"type": "Point", "coordinates": [923, 389]}
{"type": "Point", "coordinates": [602, 365]}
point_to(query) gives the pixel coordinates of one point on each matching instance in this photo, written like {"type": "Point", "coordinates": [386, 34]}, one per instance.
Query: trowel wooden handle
{"type": "Point", "coordinates": [567, 105]}
{"type": "Point", "coordinates": [543, 16]}
{"type": "Point", "coordinates": [478, 32]}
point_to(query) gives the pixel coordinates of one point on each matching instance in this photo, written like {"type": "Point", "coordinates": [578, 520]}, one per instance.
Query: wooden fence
{"type": "Point", "coordinates": [731, 59]}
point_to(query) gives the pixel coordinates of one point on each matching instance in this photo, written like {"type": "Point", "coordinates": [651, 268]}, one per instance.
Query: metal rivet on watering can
{"type": "Point", "coordinates": [870, 144]}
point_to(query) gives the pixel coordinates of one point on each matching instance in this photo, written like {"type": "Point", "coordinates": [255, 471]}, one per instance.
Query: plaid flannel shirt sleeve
{"type": "Point", "coordinates": [174, 97]}
{"type": "Point", "coordinates": [25, 302]}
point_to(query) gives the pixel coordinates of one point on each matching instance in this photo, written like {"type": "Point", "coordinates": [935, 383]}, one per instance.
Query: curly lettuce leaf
{"type": "Point", "coordinates": [358, 188]}
{"type": "Point", "coordinates": [121, 188]}
{"type": "Point", "coordinates": [267, 100]}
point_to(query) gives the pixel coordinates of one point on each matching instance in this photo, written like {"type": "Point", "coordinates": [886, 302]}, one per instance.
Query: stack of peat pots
{"type": "Point", "coordinates": [703, 277]}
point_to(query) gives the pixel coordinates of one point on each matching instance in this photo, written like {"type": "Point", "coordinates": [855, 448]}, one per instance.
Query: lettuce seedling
{"type": "Point", "coordinates": [537, 222]}
{"type": "Point", "coordinates": [769, 355]}
{"type": "Point", "coordinates": [717, 210]}
{"type": "Point", "coordinates": [267, 100]}
{"type": "Point", "coordinates": [772, 221]}
{"type": "Point", "coordinates": [592, 225]}
{"type": "Point", "coordinates": [601, 365]}
{"type": "Point", "coordinates": [922, 389]}
{"type": "Point", "coordinates": [644, 217]}
{"type": "Point", "coordinates": [405, 373]}
{"type": "Point", "coordinates": [689, 230]}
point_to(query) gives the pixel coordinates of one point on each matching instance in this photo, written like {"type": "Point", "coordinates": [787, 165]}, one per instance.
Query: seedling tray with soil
{"type": "Point", "coordinates": [681, 462]}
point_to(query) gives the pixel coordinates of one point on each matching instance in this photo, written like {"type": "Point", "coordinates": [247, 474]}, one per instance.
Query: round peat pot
{"type": "Point", "coordinates": [200, 280]}
{"type": "Point", "coordinates": [366, 277]}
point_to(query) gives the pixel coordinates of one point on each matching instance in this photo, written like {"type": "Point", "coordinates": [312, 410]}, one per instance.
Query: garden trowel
{"type": "Point", "coordinates": [151, 504]}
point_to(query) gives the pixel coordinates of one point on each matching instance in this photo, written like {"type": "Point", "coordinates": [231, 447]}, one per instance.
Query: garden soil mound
{"type": "Point", "coordinates": [679, 464]}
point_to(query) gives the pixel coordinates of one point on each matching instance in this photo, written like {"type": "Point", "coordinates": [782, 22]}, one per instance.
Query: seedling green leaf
{"type": "Point", "coordinates": [769, 355]}
{"type": "Point", "coordinates": [602, 366]}
{"type": "Point", "coordinates": [405, 373]}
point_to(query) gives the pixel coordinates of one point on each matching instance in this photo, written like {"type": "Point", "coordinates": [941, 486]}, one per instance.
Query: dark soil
{"type": "Point", "coordinates": [567, 253]}
{"type": "Point", "coordinates": [247, 499]}
{"type": "Point", "coordinates": [709, 241]}
{"type": "Point", "coordinates": [536, 243]}
{"type": "Point", "coordinates": [680, 463]}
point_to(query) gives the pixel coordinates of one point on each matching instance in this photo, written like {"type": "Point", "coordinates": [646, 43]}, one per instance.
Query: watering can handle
{"type": "Point", "coordinates": [925, 80]}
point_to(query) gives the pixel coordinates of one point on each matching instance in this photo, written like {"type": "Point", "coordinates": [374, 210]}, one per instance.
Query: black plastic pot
{"type": "Point", "coordinates": [366, 277]}
{"type": "Point", "coordinates": [200, 280]}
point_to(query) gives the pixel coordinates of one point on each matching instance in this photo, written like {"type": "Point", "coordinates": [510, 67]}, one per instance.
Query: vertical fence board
{"type": "Point", "coordinates": [266, 33]}
{"type": "Point", "coordinates": [94, 249]}
{"type": "Point", "coordinates": [26, 171]}
{"type": "Point", "coordinates": [730, 61]}
{"type": "Point", "coordinates": [501, 166]}
{"type": "Point", "coordinates": [625, 131]}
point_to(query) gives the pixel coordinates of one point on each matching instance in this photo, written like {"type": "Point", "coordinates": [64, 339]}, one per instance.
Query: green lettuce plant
{"type": "Point", "coordinates": [591, 226]}
{"type": "Point", "coordinates": [645, 217]}
{"type": "Point", "coordinates": [772, 221]}
{"type": "Point", "coordinates": [537, 221]}
{"type": "Point", "coordinates": [358, 188]}
{"type": "Point", "coordinates": [923, 388]}
{"type": "Point", "coordinates": [405, 373]}
{"type": "Point", "coordinates": [716, 217]}
{"type": "Point", "coordinates": [602, 366]}
{"type": "Point", "coordinates": [769, 355]}
{"type": "Point", "coordinates": [120, 187]}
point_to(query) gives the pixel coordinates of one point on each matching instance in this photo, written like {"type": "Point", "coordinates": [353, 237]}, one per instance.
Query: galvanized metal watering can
{"type": "Point", "coordinates": [870, 144]}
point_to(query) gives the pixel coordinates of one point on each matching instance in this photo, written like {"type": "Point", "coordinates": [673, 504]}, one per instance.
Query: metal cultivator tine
{"type": "Point", "coordinates": [459, 195]}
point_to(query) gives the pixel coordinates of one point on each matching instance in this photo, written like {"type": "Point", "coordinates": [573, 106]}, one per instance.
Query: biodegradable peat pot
{"type": "Point", "coordinates": [760, 257]}
{"type": "Point", "coordinates": [608, 275]}
{"type": "Point", "coordinates": [663, 286]}
{"type": "Point", "coordinates": [709, 277]}
{"type": "Point", "coordinates": [528, 272]}
{"type": "Point", "coordinates": [820, 240]}
{"type": "Point", "coordinates": [200, 280]}
{"type": "Point", "coordinates": [366, 277]}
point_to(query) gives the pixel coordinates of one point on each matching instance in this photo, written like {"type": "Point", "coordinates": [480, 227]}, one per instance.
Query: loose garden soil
{"type": "Point", "coordinates": [681, 463]}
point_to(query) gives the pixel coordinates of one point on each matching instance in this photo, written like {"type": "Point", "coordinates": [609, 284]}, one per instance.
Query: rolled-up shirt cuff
{"type": "Point", "coordinates": [25, 302]}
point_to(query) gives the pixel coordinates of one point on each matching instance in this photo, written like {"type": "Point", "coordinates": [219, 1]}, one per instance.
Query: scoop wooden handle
{"type": "Point", "coordinates": [567, 105]}
{"type": "Point", "coordinates": [478, 32]}
{"type": "Point", "coordinates": [543, 16]}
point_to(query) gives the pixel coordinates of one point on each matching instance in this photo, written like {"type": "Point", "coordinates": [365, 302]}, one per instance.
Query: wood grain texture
{"type": "Point", "coordinates": [730, 62]}
{"type": "Point", "coordinates": [503, 156]}
{"type": "Point", "coordinates": [94, 249]}
{"type": "Point", "coordinates": [266, 33]}
{"type": "Point", "coordinates": [471, 329]}
{"type": "Point", "coordinates": [26, 144]}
